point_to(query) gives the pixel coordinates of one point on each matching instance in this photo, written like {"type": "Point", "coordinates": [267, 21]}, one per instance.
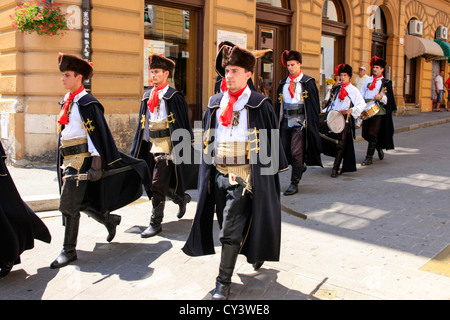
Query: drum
{"type": "Point", "coordinates": [332, 121]}
{"type": "Point", "coordinates": [372, 109]}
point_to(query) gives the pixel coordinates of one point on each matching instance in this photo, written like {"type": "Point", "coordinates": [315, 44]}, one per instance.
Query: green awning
{"type": "Point", "coordinates": [445, 46]}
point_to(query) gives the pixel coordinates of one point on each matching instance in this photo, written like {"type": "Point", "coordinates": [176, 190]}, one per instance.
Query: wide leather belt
{"type": "Point", "coordinates": [76, 149]}
{"type": "Point", "coordinates": [294, 112]}
{"type": "Point", "coordinates": [154, 134]}
{"type": "Point", "coordinates": [231, 161]}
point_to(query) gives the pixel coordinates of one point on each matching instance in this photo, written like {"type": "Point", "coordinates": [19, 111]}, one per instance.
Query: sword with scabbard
{"type": "Point", "coordinates": [293, 212]}
{"type": "Point", "coordinates": [86, 176]}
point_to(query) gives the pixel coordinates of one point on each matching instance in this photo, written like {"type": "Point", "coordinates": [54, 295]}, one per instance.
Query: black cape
{"type": "Point", "coordinates": [123, 176]}
{"type": "Point", "coordinates": [177, 111]}
{"type": "Point", "coordinates": [262, 236]}
{"type": "Point", "coordinates": [313, 146]}
{"type": "Point", "coordinates": [386, 133]}
{"type": "Point", "coordinates": [19, 225]}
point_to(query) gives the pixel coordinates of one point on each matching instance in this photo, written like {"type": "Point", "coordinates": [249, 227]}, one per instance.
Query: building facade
{"type": "Point", "coordinates": [123, 34]}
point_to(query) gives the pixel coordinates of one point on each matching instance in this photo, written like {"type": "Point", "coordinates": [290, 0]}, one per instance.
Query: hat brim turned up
{"type": "Point", "coordinates": [157, 61]}
{"type": "Point", "coordinates": [67, 62]}
{"type": "Point", "coordinates": [238, 57]}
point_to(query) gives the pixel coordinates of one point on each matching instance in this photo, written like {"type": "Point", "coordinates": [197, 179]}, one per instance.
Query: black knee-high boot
{"type": "Point", "coordinates": [68, 254]}
{"type": "Point", "coordinates": [110, 221]}
{"type": "Point", "coordinates": [369, 154]}
{"type": "Point", "coordinates": [296, 176]}
{"type": "Point", "coordinates": [155, 221]}
{"type": "Point", "coordinates": [337, 163]}
{"type": "Point", "coordinates": [180, 201]}
{"type": "Point", "coordinates": [227, 263]}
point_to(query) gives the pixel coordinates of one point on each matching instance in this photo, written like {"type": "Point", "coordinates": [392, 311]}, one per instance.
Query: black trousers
{"type": "Point", "coordinates": [293, 141]}
{"type": "Point", "coordinates": [371, 128]}
{"type": "Point", "coordinates": [162, 173]}
{"type": "Point", "coordinates": [72, 193]}
{"type": "Point", "coordinates": [233, 210]}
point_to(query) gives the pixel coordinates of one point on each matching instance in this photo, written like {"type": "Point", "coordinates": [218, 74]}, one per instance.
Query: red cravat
{"type": "Point", "coordinates": [223, 86]}
{"type": "Point", "coordinates": [374, 82]}
{"type": "Point", "coordinates": [227, 115]}
{"type": "Point", "coordinates": [343, 92]}
{"type": "Point", "coordinates": [63, 117]}
{"type": "Point", "coordinates": [292, 84]}
{"type": "Point", "coordinates": [154, 98]}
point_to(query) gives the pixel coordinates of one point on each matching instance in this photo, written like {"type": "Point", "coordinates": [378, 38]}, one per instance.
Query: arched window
{"type": "Point", "coordinates": [379, 35]}
{"type": "Point", "coordinates": [334, 31]}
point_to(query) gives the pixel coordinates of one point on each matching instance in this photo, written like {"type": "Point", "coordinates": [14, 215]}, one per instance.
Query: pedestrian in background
{"type": "Point", "coordinates": [447, 87]}
{"type": "Point", "coordinates": [439, 87]}
{"type": "Point", "coordinates": [362, 76]}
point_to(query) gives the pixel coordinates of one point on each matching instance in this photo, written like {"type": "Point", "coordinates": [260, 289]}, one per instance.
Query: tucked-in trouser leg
{"type": "Point", "coordinates": [72, 195]}
{"type": "Point", "coordinates": [160, 186]}
{"type": "Point", "coordinates": [161, 179]}
{"type": "Point", "coordinates": [371, 127]}
{"type": "Point", "coordinates": [297, 144]}
{"type": "Point", "coordinates": [342, 137]}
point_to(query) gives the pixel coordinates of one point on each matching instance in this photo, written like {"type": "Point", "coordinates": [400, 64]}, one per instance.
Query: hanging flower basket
{"type": "Point", "coordinates": [43, 19]}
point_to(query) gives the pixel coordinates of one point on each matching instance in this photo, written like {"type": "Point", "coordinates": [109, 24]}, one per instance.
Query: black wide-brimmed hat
{"type": "Point", "coordinates": [377, 61]}
{"type": "Point", "coordinates": [68, 62]}
{"type": "Point", "coordinates": [219, 57]}
{"type": "Point", "coordinates": [157, 61]}
{"type": "Point", "coordinates": [290, 55]}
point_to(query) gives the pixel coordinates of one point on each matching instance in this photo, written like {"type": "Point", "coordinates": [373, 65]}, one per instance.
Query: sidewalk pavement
{"type": "Point", "coordinates": [135, 268]}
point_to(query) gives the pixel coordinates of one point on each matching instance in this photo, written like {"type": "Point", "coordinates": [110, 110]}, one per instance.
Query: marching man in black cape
{"type": "Point", "coordinates": [378, 130]}
{"type": "Point", "coordinates": [297, 108]}
{"type": "Point", "coordinates": [94, 176]}
{"type": "Point", "coordinates": [238, 176]}
{"type": "Point", "coordinates": [163, 111]}
{"type": "Point", "coordinates": [19, 225]}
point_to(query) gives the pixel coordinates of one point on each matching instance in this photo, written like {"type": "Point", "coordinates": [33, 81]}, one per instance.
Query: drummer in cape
{"type": "Point", "coordinates": [346, 102]}
{"type": "Point", "coordinates": [378, 128]}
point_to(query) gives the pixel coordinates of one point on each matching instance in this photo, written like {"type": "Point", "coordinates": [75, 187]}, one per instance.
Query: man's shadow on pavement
{"type": "Point", "coordinates": [130, 261]}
